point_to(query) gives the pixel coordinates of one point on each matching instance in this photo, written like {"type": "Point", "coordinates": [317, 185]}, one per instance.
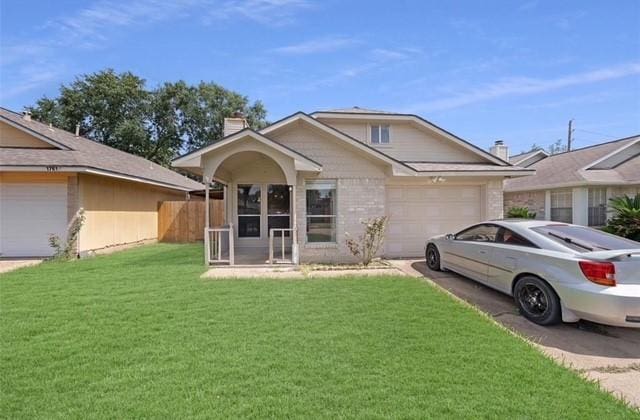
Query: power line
{"type": "Point", "coordinates": [596, 133]}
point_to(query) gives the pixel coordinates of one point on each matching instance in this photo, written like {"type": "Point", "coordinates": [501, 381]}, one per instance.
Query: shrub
{"type": "Point", "coordinates": [626, 220]}
{"type": "Point", "coordinates": [64, 250]}
{"type": "Point", "coordinates": [368, 244]}
{"type": "Point", "coordinates": [520, 213]}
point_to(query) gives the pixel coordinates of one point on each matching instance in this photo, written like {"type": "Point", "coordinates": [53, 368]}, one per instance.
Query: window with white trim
{"type": "Point", "coordinates": [321, 211]}
{"type": "Point", "coordinates": [249, 210]}
{"type": "Point", "coordinates": [380, 134]}
{"type": "Point", "coordinates": [562, 206]}
{"type": "Point", "coordinates": [597, 206]}
{"type": "Point", "coordinates": [278, 208]}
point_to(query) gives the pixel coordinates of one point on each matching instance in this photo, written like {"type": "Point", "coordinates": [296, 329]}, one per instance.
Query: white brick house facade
{"type": "Point", "coordinates": [367, 178]}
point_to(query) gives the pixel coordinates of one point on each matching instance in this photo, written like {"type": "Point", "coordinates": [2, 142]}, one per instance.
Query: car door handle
{"type": "Point", "coordinates": [482, 252]}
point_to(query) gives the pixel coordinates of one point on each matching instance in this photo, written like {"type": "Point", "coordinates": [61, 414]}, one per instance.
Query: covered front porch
{"type": "Point", "coordinates": [259, 178]}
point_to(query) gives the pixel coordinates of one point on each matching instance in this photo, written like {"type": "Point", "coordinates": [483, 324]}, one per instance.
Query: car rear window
{"type": "Point", "coordinates": [584, 239]}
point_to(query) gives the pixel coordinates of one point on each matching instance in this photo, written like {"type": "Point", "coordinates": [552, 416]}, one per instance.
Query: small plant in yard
{"type": "Point", "coordinates": [626, 221]}
{"type": "Point", "coordinates": [63, 250]}
{"type": "Point", "coordinates": [520, 213]}
{"type": "Point", "coordinates": [368, 244]}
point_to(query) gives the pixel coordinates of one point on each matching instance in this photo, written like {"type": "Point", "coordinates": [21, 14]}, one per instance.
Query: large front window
{"type": "Point", "coordinates": [321, 211]}
{"type": "Point", "coordinates": [562, 206]}
{"type": "Point", "coordinates": [249, 210]}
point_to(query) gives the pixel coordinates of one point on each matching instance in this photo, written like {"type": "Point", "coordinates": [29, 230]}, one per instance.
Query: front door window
{"type": "Point", "coordinates": [278, 208]}
{"type": "Point", "coordinates": [249, 203]}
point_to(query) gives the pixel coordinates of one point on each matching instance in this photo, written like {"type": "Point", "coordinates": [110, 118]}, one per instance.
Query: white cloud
{"type": "Point", "coordinates": [29, 77]}
{"type": "Point", "coordinates": [525, 85]}
{"type": "Point", "coordinates": [267, 12]}
{"type": "Point", "coordinates": [94, 25]}
{"type": "Point", "coordinates": [320, 45]}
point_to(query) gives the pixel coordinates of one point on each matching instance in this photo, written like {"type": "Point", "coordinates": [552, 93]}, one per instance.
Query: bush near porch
{"type": "Point", "coordinates": [140, 334]}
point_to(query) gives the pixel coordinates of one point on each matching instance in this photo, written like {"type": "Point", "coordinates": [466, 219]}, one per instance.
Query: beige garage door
{"type": "Point", "coordinates": [419, 212]}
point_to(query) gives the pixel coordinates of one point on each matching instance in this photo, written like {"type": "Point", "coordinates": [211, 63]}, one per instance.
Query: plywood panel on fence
{"type": "Point", "coordinates": [183, 221]}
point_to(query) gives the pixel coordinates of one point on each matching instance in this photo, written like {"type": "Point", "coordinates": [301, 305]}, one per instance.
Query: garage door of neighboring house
{"type": "Point", "coordinates": [418, 212]}
{"type": "Point", "coordinates": [29, 213]}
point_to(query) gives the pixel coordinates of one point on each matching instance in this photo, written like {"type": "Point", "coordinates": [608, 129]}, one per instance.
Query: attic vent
{"type": "Point", "coordinates": [26, 115]}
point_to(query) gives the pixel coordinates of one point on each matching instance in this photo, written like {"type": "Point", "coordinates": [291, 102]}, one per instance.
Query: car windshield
{"type": "Point", "coordinates": [584, 239]}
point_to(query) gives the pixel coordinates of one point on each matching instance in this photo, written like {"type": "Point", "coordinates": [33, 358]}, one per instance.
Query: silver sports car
{"type": "Point", "coordinates": [555, 271]}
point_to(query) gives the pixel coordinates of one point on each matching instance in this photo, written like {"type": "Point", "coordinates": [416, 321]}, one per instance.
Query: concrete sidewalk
{"type": "Point", "coordinates": [7, 265]}
{"type": "Point", "coordinates": [610, 355]}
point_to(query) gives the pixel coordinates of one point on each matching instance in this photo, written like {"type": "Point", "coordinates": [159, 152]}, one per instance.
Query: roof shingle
{"type": "Point", "coordinates": [564, 169]}
{"type": "Point", "coordinates": [86, 153]}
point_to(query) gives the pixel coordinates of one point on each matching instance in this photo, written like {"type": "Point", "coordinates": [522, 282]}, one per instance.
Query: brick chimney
{"type": "Point", "coordinates": [500, 150]}
{"type": "Point", "coordinates": [234, 123]}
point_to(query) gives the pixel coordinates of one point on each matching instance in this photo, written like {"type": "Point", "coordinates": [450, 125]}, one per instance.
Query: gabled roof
{"type": "Point", "coordinates": [578, 167]}
{"type": "Point", "coordinates": [78, 154]}
{"type": "Point", "coordinates": [381, 115]}
{"type": "Point", "coordinates": [499, 167]}
{"type": "Point", "coordinates": [301, 116]}
{"type": "Point", "coordinates": [524, 157]}
{"type": "Point", "coordinates": [302, 162]}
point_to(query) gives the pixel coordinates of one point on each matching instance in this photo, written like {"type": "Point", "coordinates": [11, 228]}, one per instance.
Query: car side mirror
{"type": "Point", "coordinates": [449, 236]}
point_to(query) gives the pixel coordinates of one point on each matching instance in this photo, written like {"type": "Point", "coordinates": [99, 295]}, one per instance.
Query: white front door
{"type": "Point", "coordinates": [418, 212]}
{"type": "Point", "coordinates": [29, 214]}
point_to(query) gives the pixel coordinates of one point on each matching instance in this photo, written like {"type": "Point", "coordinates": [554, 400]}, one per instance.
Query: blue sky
{"type": "Point", "coordinates": [484, 70]}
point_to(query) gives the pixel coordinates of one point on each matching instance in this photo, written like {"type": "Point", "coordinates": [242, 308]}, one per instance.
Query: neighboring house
{"type": "Point", "coordinates": [324, 173]}
{"type": "Point", "coordinates": [575, 186]}
{"type": "Point", "coordinates": [527, 159]}
{"type": "Point", "coordinates": [48, 174]}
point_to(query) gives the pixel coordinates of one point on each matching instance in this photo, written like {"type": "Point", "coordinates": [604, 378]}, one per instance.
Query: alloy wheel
{"type": "Point", "coordinates": [533, 300]}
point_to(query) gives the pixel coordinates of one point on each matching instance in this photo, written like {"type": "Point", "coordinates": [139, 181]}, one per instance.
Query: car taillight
{"type": "Point", "coordinates": [603, 273]}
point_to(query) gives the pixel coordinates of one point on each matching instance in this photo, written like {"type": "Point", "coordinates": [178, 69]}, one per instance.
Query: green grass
{"type": "Point", "coordinates": [139, 334]}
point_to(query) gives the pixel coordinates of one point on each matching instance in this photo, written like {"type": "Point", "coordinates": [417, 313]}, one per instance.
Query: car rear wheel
{"type": "Point", "coordinates": [537, 301]}
{"type": "Point", "coordinates": [433, 257]}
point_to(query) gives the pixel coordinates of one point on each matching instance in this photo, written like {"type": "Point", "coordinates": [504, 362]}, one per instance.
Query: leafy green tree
{"type": "Point", "coordinates": [208, 104]}
{"type": "Point", "coordinates": [118, 110]}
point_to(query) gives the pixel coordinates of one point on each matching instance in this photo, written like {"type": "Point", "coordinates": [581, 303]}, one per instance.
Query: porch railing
{"type": "Point", "coordinates": [218, 244]}
{"type": "Point", "coordinates": [282, 254]}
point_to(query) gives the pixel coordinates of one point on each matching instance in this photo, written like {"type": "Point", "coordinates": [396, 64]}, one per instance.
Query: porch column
{"type": "Point", "coordinates": [207, 244]}
{"type": "Point", "coordinates": [225, 193]}
{"type": "Point", "coordinates": [547, 205]}
{"type": "Point", "coordinates": [581, 206]}
{"type": "Point", "coordinates": [295, 251]}
{"type": "Point", "coordinates": [206, 202]}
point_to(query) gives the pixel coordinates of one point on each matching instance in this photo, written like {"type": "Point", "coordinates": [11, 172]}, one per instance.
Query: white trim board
{"type": "Point", "coordinates": [93, 171]}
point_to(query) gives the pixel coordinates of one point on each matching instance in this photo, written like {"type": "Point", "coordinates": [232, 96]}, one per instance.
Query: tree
{"type": "Point", "coordinates": [557, 147]}
{"type": "Point", "coordinates": [533, 148]}
{"type": "Point", "coordinates": [118, 110]}
{"type": "Point", "coordinates": [208, 104]}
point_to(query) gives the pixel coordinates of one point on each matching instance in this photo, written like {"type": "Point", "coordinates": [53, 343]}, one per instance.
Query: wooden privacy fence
{"type": "Point", "coordinates": [183, 221]}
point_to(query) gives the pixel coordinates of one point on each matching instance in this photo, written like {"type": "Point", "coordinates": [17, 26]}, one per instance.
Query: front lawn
{"type": "Point", "coordinates": [139, 334]}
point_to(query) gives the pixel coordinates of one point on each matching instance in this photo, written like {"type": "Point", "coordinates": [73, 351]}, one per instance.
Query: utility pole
{"type": "Point", "coordinates": [569, 135]}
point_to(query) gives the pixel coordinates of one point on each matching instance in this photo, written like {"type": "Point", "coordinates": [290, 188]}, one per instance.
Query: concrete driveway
{"type": "Point", "coordinates": [610, 355]}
